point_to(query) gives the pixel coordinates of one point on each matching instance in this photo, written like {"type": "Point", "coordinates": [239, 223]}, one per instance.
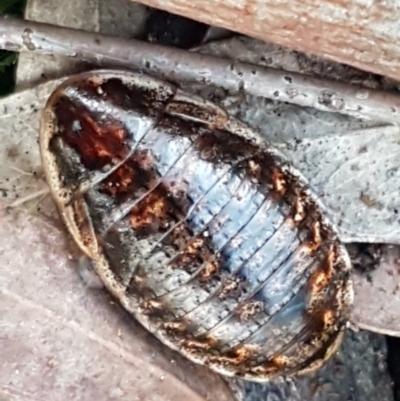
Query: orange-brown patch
{"type": "Point", "coordinates": [174, 326]}
{"type": "Point", "coordinates": [280, 360]}
{"type": "Point", "coordinates": [97, 143]}
{"type": "Point", "coordinates": [299, 209]}
{"type": "Point", "coordinates": [153, 208]}
{"type": "Point", "coordinates": [119, 181]}
{"type": "Point", "coordinates": [272, 366]}
{"type": "Point", "coordinates": [321, 278]}
{"type": "Point", "coordinates": [328, 318]}
{"type": "Point", "coordinates": [100, 141]}
{"type": "Point", "coordinates": [238, 356]}
{"type": "Point", "coordinates": [279, 182]}
{"type": "Point", "coordinates": [199, 344]}
{"type": "Point", "coordinates": [194, 246]}
{"type": "Point", "coordinates": [314, 244]}
{"type": "Point", "coordinates": [210, 268]}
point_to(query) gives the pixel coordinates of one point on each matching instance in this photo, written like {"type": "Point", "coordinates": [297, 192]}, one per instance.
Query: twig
{"type": "Point", "coordinates": [182, 66]}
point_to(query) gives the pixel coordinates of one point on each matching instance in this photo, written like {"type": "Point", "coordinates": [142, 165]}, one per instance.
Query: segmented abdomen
{"type": "Point", "coordinates": [214, 243]}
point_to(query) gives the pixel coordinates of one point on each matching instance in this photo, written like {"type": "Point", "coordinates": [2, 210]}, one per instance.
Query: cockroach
{"type": "Point", "coordinates": [202, 230]}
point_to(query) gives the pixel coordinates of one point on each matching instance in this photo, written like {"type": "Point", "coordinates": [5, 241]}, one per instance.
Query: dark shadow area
{"type": "Point", "coordinates": [8, 60]}
{"type": "Point", "coordinates": [393, 361]}
{"type": "Point", "coordinates": [173, 30]}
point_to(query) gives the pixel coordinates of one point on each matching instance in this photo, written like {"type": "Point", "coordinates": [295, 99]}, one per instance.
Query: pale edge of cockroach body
{"type": "Point", "coordinates": [73, 214]}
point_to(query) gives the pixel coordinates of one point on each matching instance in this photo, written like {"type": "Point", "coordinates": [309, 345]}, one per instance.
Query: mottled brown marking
{"type": "Point", "coordinates": [199, 344]}
{"type": "Point", "coordinates": [280, 360]}
{"type": "Point", "coordinates": [328, 318]}
{"type": "Point", "coordinates": [211, 267]}
{"type": "Point", "coordinates": [238, 356]}
{"type": "Point", "coordinates": [316, 230]}
{"type": "Point", "coordinates": [151, 211]}
{"type": "Point", "coordinates": [271, 367]}
{"type": "Point", "coordinates": [321, 278]}
{"type": "Point", "coordinates": [97, 143]}
{"type": "Point", "coordinates": [314, 244]}
{"type": "Point", "coordinates": [119, 182]}
{"type": "Point", "coordinates": [151, 305]}
{"type": "Point", "coordinates": [331, 260]}
{"type": "Point", "coordinates": [181, 261]}
{"type": "Point", "coordinates": [299, 209]}
{"type": "Point", "coordinates": [188, 109]}
{"type": "Point", "coordinates": [249, 310]}
{"type": "Point", "coordinates": [279, 182]}
{"type": "Point", "coordinates": [194, 245]}
{"type": "Point", "coordinates": [194, 255]}
{"type": "Point", "coordinates": [229, 286]}
{"type": "Point", "coordinates": [174, 326]}
{"type": "Point", "coordinates": [179, 239]}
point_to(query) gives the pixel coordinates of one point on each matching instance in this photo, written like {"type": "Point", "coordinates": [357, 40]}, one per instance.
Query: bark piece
{"type": "Point", "coordinates": [357, 33]}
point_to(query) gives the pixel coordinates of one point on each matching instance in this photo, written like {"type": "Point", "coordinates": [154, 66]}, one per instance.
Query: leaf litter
{"type": "Point", "coordinates": [304, 134]}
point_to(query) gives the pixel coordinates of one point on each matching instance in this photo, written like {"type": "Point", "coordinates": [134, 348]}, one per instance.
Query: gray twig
{"type": "Point", "coordinates": [183, 66]}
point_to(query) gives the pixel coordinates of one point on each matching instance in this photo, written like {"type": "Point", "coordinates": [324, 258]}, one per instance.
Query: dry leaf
{"type": "Point", "coordinates": [377, 297]}
{"type": "Point", "coordinates": [21, 175]}
{"type": "Point", "coordinates": [357, 175]}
